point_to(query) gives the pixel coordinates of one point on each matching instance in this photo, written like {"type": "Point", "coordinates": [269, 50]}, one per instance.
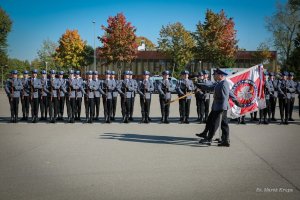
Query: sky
{"type": "Point", "coordinates": [37, 20]}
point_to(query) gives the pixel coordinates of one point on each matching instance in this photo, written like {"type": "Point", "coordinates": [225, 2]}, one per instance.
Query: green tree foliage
{"type": "Point", "coordinates": [216, 39]}
{"type": "Point", "coordinates": [178, 43]}
{"type": "Point", "coordinates": [148, 43]}
{"type": "Point", "coordinates": [119, 40]}
{"type": "Point", "coordinates": [69, 53]}
{"type": "Point", "coordinates": [88, 55]}
{"type": "Point", "coordinates": [284, 25]}
{"type": "Point", "coordinates": [5, 28]}
{"type": "Point", "coordinates": [15, 64]}
{"type": "Point", "coordinates": [46, 53]}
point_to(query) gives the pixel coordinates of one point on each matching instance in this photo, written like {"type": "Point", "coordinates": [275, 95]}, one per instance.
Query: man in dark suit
{"type": "Point", "coordinates": [219, 109]}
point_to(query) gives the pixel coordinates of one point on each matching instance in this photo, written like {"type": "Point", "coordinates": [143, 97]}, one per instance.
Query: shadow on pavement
{"type": "Point", "coordinates": [130, 137]}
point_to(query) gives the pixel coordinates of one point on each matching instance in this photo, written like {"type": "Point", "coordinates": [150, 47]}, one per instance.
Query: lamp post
{"type": "Point", "coordinates": [94, 48]}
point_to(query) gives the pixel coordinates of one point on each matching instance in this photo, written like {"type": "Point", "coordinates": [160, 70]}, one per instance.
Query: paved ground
{"type": "Point", "coordinates": [153, 161]}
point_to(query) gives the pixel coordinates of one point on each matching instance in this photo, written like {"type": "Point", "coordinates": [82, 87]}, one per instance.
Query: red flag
{"type": "Point", "coordinates": [247, 86]}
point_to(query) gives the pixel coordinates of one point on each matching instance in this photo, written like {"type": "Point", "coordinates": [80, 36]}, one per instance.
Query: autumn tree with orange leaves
{"type": "Point", "coordinates": [70, 52]}
{"type": "Point", "coordinates": [216, 39]}
{"type": "Point", "coordinates": [119, 41]}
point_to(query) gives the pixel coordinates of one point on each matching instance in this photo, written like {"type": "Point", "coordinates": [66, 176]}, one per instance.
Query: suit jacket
{"type": "Point", "coordinates": [13, 87]}
{"type": "Point", "coordinates": [165, 88]}
{"type": "Point", "coordinates": [35, 87]}
{"type": "Point", "coordinates": [184, 86]}
{"type": "Point", "coordinates": [145, 88]}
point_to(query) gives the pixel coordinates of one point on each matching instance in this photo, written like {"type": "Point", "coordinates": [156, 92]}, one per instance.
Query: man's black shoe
{"type": "Point", "coordinates": [205, 141]}
{"type": "Point", "coordinates": [203, 135]}
{"type": "Point", "coordinates": [224, 144]}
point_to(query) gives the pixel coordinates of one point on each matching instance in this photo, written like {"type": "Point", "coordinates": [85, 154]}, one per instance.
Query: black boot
{"type": "Point", "coordinates": [186, 120]}
{"type": "Point", "coordinates": [166, 121]}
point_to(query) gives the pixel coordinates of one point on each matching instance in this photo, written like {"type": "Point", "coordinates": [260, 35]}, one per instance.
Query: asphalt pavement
{"type": "Point", "coordinates": [146, 161]}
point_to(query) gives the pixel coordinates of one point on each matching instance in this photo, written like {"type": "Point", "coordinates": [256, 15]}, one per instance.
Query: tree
{"type": "Point", "coordinates": [119, 40]}
{"type": "Point", "coordinates": [47, 52]}
{"type": "Point", "coordinates": [13, 63]}
{"type": "Point", "coordinates": [263, 54]}
{"type": "Point", "coordinates": [284, 25]}
{"type": "Point", "coordinates": [294, 61]}
{"type": "Point", "coordinates": [216, 39]}
{"type": "Point", "coordinates": [69, 53]}
{"type": "Point", "coordinates": [178, 43]}
{"type": "Point", "coordinates": [5, 28]}
{"type": "Point", "coordinates": [148, 43]}
{"type": "Point", "coordinates": [88, 55]}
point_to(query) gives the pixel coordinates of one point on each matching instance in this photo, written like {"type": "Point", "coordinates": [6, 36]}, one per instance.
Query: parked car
{"type": "Point", "coordinates": [157, 79]}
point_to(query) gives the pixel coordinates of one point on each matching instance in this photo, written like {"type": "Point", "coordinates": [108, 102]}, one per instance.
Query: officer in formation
{"type": "Point", "coordinates": [97, 94]}
{"type": "Point", "coordinates": [90, 86]}
{"type": "Point", "coordinates": [44, 96]}
{"type": "Point", "coordinates": [184, 87]}
{"type": "Point", "coordinates": [61, 95]}
{"type": "Point", "coordinates": [71, 87]}
{"type": "Point", "coordinates": [293, 94]}
{"type": "Point", "coordinates": [54, 91]}
{"type": "Point", "coordinates": [25, 99]}
{"type": "Point", "coordinates": [273, 95]}
{"type": "Point", "coordinates": [165, 89]}
{"type": "Point", "coordinates": [13, 88]}
{"type": "Point", "coordinates": [79, 95]}
{"type": "Point", "coordinates": [135, 86]}
{"type": "Point", "coordinates": [285, 90]}
{"type": "Point", "coordinates": [35, 88]}
{"type": "Point", "coordinates": [268, 90]}
{"type": "Point", "coordinates": [145, 88]}
{"type": "Point", "coordinates": [115, 95]}
{"type": "Point", "coordinates": [126, 89]}
{"type": "Point", "coordinates": [108, 86]}
{"type": "Point", "coordinates": [202, 97]}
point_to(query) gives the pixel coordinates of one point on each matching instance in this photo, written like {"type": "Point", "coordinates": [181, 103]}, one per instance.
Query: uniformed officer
{"type": "Point", "coordinates": [115, 95]}
{"type": "Point", "coordinates": [90, 87]}
{"type": "Point", "coordinates": [164, 89]}
{"type": "Point", "coordinates": [219, 109]}
{"type": "Point", "coordinates": [273, 95]}
{"type": "Point", "coordinates": [108, 86]}
{"type": "Point", "coordinates": [184, 86]}
{"type": "Point", "coordinates": [199, 97]}
{"type": "Point", "coordinates": [135, 86]}
{"type": "Point", "coordinates": [13, 88]}
{"type": "Point", "coordinates": [293, 94]}
{"type": "Point", "coordinates": [54, 92]}
{"type": "Point", "coordinates": [268, 89]}
{"type": "Point", "coordinates": [61, 95]}
{"type": "Point", "coordinates": [25, 100]}
{"type": "Point", "coordinates": [35, 90]}
{"type": "Point", "coordinates": [285, 89]}
{"type": "Point", "coordinates": [71, 87]}
{"type": "Point", "coordinates": [126, 90]}
{"type": "Point", "coordinates": [79, 95]}
{"type": "Point", "coordinates": [97, 94]}
{"type": "Point", "coordinates": [44, 96]}
{"type": "Point", "coordinates": [206, 95]}
{"type": "Point", "coordinates": [145, 88]}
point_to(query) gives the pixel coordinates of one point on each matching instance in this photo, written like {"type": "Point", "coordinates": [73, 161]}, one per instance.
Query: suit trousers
{"type": "Point", "coordinates": [44, 106]}
{"type": "Point", "coordinates": [14, 106]}
{"type": "Point", "coordinates": [145, 107]}
{"type": "Point", "coordinates": [53, 107]}
{"type": "Point", "coordinates": [216, 116]}
{"type": "Point", "coordinates": [273, 101]}
{"type": "Point", "coordinates": [35, 107]}
{"type": "Point", "coordinates": [97, 106]}
{"type": "Point", "coordinates": [184, 108]}
{"type": "Point", "coordinates": [284, 107]}
{"type": "Point", "coordinates": [164, 107]}
{"type": "Point", "coordinates": [114, 106]}
{"type": "Point", "coordinates": [107, 105]}
{"type": "Point", "coordinates": [25, 105]}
